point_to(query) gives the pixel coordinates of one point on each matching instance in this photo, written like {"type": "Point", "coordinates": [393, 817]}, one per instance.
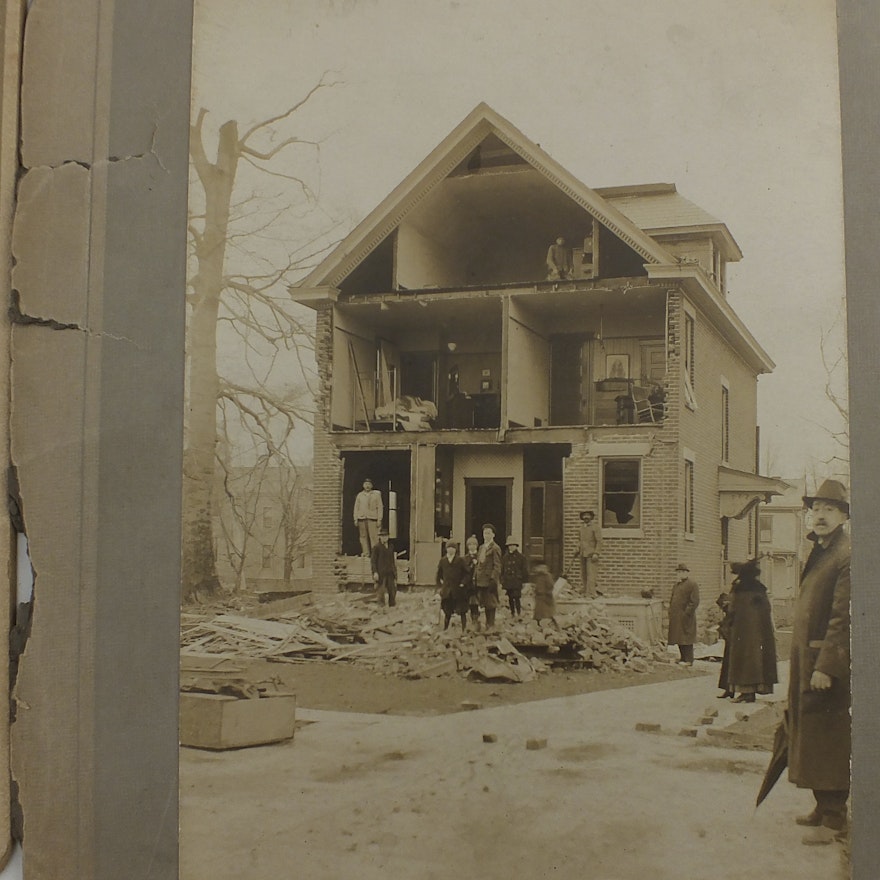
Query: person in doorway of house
{"type": "Point", "coordinates": [751, 658]}
{"type": "Point", "coordinates": [368, 513]}
{"type": "Point", "coordinates": [472, 547]}
{"type": "Point", "coordinates": [819, 674]}
{"type": "Point", "coordinates": [384, 565]}
{"type": "Point", "coordinates": [452, 582]}
{"type": "Point", "coordinates": [514, 573]}
{"type": "Point", "coordinates": [545, 602]}
{"type": "Point", "coordinates": [558, 260]}
{"type": "Point", "coordinates": [589, 546]}
{"type": "Point", "coordinates": [487, 574]}
{"type": "Point", "coordinates": [683, 604]}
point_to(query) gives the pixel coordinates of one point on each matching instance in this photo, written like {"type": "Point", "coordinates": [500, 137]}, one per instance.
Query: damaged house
{"type": "Point", "coordinates": [472, 382]}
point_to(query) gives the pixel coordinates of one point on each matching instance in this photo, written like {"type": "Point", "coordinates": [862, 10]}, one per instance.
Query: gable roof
{"type": "Point", "coordinates": [480, 123]}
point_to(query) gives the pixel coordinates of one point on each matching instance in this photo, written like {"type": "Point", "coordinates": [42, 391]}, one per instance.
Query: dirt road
{"type": "Point", "coordinates": [425, 798]}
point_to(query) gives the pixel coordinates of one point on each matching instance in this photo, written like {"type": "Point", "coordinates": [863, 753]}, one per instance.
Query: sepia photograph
{"type": "Point", "coordinates": [516, 453]}
{"type": "Point", "coordinates": [433, 432]}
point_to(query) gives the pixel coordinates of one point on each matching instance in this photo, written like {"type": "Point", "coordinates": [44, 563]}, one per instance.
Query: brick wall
{"type": "Point", "coordinates": [701, 433]}
{"type": "Point", "coordinates": [631, 564]}
{"type": "Point", "coordinates": [327, 499]}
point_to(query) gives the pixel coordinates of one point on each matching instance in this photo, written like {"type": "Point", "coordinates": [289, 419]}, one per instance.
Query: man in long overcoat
{"type": "Point", "coordinates": [683, 614]}
{"type": "Point", "coordinates": [819, 686]}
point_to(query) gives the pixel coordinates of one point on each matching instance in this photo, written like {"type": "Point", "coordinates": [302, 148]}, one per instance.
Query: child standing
{"type": "Point", "coordinates": [514, 572]}
{"type": "Point", "coordinates": [472, 546]}
{"type": "Point", "coordinates": [452, 579]}
{"type": "Point", "coordinates": [545, 603]}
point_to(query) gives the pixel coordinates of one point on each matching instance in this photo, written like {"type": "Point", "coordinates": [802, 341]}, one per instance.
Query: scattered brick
{"type": "Point", "coordinates": [490, 737]}
{"type": "Point", "coordinates": [688, 731]}
{"type": "Point", "coordinates": [644, 727]}
{"type": "Point", "coordinates": [535, 743]}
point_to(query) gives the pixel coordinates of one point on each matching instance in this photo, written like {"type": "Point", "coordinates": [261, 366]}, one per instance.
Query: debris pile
{"type": "Point", "coordinates": [408, 640]}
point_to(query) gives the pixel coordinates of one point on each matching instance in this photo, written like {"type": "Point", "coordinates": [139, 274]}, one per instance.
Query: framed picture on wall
{"type": "Point", "coordinates": [617, 366]}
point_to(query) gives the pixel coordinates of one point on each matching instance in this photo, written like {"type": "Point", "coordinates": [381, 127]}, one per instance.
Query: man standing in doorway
{"type": "Point", "coordinates": [368, 512]}
{"type": "Point", "coordinates": [590, 537]}
{"type": "Point", "coordinates": [683, 614]}
{"type": "Point", "coordinates": [819, 683]}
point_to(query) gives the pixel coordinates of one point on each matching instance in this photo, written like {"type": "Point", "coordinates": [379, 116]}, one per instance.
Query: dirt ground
{"type": "Point", "coordinates": [388, 777]}
{"type": "Point", "coordinates": [328, 685]}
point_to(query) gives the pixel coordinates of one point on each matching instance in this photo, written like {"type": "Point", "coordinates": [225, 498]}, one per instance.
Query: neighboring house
{"type": "Point", "coordinates": [784, 548]}
{"type": "Point", "coordinates": [261, 531]}
{"type": "Point", "coordinates": [456, 375]}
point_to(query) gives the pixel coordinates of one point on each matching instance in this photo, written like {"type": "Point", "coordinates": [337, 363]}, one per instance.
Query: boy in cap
{"type": "Point", "coordinates": [514, 572]}
{"type": "Point", "coordinates": [384, 565]}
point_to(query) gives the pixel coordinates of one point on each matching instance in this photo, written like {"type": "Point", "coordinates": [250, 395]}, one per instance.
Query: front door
{"type": "Point", "coordinates": [488, 501]}
{"type": "Point", "coordinates": [542, 524]}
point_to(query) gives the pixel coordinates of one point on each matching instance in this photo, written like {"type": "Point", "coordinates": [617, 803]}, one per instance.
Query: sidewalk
{"type": "Point", "coordinates": [372, 796]}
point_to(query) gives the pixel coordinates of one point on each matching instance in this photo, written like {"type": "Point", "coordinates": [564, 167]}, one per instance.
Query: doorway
{"type": "Point", "coordinates": [389, 471]}
{"type": "Point", "coordinates": [569, 379]}
{"type": "Point", "coordinates": [488, 501]}
{"type": "Point", "coordinates": [542, 504]}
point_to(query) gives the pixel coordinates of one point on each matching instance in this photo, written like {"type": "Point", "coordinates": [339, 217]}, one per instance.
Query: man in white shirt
{"type": "Point", "coordinates": [368, 512]}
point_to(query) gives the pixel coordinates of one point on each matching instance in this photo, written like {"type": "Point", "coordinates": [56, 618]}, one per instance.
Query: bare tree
{"type": "Point", "coordinates": [246, 303]}
{"type": "Point", "coordinates": [264, 505]}
{"type": "Point", "coordinates": [834, 362]}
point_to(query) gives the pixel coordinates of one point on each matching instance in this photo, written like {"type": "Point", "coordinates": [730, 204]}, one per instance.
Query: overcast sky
{"type": "Point", "coordinates": [734, 102]}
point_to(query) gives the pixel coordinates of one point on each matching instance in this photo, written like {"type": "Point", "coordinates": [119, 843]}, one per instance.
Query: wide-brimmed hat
{"type": "Point", "coordinates": [681, 567]}
{"type": "Point", "coordinates": [833, 491]}
{"type": "Point", "coordinates": [584, 513]}
{"type": "Point", "coordinates": [748, 568]}
{"type": "Point", "coordinates": [511, 542]}
{"type": "Point", "coordinates": [488, 526]}
{"type": "Point", "coordinates": [383, 532]}
{"type": "Point", "coordinates": [452, 544]}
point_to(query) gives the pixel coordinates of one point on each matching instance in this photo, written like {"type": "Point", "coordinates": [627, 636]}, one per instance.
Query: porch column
{"type": "Point", "coordinates": [424, 548]}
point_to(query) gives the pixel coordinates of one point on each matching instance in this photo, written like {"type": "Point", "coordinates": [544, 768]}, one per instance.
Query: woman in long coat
{"type": "Point", "coordinates": [819, 685]}
{"type": "Point", "coordinates": [751, 666]}
{"type": "Point", "coordinates": [683, 615]}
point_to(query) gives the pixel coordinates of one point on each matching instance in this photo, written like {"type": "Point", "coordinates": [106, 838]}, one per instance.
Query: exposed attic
{"type": "Point", "coordinates": [489, 223]}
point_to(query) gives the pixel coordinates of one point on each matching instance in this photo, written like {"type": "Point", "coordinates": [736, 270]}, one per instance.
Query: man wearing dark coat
{"type": "Point", "coordinates": [819, 685]}
{"type": "Point", "coordinates": [384, 565]}
{"type": "Point", "coordinates": [683, 615]}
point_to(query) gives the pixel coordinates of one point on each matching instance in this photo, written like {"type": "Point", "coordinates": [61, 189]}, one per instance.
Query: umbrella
{"type": "Point", "coordinates": [778, 761]}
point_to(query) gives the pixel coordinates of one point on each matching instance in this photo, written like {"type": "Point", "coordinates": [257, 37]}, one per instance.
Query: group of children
{"type": "Point", "coordinates": [471, 582]}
